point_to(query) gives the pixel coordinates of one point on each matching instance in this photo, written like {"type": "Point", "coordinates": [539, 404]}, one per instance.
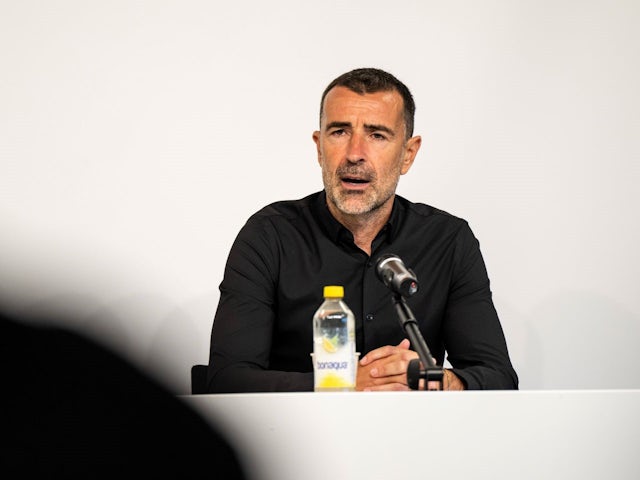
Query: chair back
{"type": "Point", "coordinates": [199, 379]}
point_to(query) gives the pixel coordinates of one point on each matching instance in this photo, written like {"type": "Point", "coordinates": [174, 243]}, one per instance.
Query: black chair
{"type": "Point", "coordinates": [199, 379]}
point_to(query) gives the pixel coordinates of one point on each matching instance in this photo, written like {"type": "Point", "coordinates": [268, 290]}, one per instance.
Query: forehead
{"type": "Point", "coordinates": [342, 104]}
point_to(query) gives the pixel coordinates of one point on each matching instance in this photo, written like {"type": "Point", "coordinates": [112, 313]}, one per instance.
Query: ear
{"type": "Point", "coordinates": [410, 151]}
{"type": "Point", "coordinates": [316, 139]}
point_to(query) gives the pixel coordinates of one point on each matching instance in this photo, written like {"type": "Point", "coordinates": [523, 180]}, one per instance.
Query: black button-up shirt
{"type": "Point", "coordinates": [287, 252]}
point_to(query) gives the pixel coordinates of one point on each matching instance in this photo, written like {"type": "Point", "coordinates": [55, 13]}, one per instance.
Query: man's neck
{"type": "Point", "coordinates": [364, 227]}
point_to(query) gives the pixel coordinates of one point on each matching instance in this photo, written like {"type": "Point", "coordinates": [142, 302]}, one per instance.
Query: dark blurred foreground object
{"type": "Point", "coordinates": [70, 408]}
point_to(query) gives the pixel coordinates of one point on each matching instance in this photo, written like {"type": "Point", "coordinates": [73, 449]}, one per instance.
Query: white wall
{"type": "Point", "coordinates": [137, 137]}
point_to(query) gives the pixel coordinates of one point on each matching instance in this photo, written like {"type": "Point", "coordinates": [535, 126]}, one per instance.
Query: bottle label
{"type": "Point", "coordinates": [335, 371]}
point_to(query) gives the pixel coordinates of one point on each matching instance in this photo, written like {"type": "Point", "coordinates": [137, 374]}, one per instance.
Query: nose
{"type": "Point", "coordinates": [356, 149]}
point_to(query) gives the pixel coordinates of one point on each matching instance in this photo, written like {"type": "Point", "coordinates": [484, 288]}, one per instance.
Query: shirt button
{"type": "Point", "coordinates": [369, 317]}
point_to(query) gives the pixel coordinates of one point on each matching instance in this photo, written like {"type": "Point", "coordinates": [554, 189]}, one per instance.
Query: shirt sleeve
{"type": "Point", "coordinates": [243, 323]}
{"type": "Point", "coordinates": [473, 335]}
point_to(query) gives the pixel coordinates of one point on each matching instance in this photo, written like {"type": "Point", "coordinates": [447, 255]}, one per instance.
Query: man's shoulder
{"type": "Point", "coordinates": [286, 209]}
{"type": "Point", "coordinates": [435, 214]}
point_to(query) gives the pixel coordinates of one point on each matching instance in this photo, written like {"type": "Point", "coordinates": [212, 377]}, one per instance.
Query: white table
{"type": "Point", "coordinates": [593, 434]}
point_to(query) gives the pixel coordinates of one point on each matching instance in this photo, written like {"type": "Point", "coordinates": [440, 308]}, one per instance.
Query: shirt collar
{"type": "Point", "coordinates": [336, 231]}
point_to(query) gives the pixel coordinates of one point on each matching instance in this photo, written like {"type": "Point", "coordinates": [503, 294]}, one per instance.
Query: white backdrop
{"type": "Point", "coordinates": [137, 137]}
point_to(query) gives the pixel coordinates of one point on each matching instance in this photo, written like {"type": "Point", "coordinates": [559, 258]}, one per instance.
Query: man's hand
{"type": "Point", "coordinates": [385, 369]}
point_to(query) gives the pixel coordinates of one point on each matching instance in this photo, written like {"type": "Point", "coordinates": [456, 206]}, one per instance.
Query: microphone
{"type": "Point", "coordinates": [403, 282]}
{"type": "Point", "coordinates": [393, 273]}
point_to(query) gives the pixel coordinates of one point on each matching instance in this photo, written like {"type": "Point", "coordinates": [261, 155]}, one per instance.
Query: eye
{"type": "Point", "coordinates": [378, 136]}
{"type": "Point", "coordinates": [337, 133]}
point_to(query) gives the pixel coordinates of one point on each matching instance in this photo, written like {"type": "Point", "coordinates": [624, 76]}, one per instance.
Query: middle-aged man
{"type": "Point", "coordinates": [261, 338]}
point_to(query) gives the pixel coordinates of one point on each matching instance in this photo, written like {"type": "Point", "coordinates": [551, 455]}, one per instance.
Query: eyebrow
{"type": "Point", "coordinates": [331, 125]}
{"type": "Point", "coordinates": [379, 128]}
{"type": "Point", "coordinates": [367, 127]}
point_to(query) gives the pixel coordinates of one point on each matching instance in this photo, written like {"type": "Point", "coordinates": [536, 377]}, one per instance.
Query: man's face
{"type": "Point", "coordinates": [362, 149]}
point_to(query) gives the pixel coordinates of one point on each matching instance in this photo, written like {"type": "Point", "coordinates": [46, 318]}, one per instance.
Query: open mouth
{"type": "Point", "coordinates": [355, 180]}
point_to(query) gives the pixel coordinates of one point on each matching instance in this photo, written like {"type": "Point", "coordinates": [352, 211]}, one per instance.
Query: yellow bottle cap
{"type": "Point", "coordinates": [333, 291]}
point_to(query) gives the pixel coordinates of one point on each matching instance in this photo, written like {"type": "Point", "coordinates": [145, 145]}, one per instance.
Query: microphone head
{"type": "Point", "coordinates": [383, 260]}
{"type": "Point", "coordinates": [393, 273]}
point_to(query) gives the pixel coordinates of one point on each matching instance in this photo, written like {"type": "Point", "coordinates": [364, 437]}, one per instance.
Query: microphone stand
{"type": "Point", "coordinates": [431, 372]}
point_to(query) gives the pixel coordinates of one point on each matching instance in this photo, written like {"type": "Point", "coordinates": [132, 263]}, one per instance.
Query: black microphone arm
{"type": "Point", "coordinates": [428, 371]}
{"type": "Point", "coordinates": [431, 372]}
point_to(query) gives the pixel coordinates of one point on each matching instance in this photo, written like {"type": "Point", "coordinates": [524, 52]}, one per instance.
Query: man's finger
{"type": "Point", "coordinates": [383, 352]}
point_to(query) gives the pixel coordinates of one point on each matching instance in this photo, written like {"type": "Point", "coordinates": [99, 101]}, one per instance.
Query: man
{"type": "Point", "coordinates": [283, 256]}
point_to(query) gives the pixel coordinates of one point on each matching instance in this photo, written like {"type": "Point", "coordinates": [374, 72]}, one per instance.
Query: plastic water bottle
{"type": "Point", "coordinates": [334, 346]}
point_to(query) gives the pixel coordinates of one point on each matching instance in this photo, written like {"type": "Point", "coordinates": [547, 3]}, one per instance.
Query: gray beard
{"type": "Point", "coordinates": [365, 205]}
